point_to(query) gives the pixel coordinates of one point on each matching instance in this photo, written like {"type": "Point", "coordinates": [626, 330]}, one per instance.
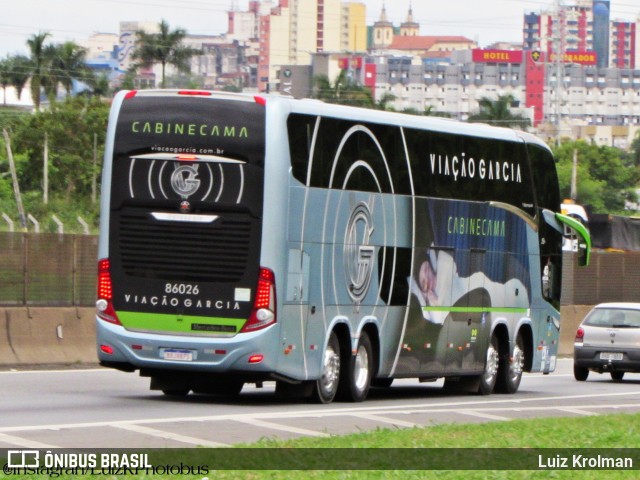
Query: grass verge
{"type": "Point", "coordinates": [403, 453]}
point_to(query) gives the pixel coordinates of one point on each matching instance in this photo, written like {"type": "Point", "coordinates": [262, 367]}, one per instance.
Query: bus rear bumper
{"type": "Point", "coordinates": [127, 350]}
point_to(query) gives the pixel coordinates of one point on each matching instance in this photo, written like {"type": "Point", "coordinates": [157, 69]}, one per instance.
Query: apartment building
{"type": "Point", "coordinates": [296, 29]}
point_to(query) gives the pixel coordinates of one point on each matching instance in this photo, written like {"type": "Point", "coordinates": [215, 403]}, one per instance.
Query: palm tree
{"type": "Point", "coordinates": [498, 112]}
{"type": "Point", "coordinates": [5, 81]}
{"type": "Point", "coordinates": [38, 64]}
{"type": "Point", "coordinates": [164, 47]}
{"type": "Point", "coordinates": [99, 86]}
{"type": "Point", "coordinates": [14, 72]}
{"type": "Point", "coordinates": [67, 62]}
{"type": "Point", "coordinates": [19, 73]}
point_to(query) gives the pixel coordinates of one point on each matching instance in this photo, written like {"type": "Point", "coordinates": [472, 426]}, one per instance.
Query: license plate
{"type": "Point", "coordinates": [180, 355]}
{"type": "Point", "coordinates": [610, 356]}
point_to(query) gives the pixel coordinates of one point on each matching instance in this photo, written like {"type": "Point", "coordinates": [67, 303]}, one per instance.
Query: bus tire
{"type": "Point", "coordinates": [356, 378]}
{"type": "Point", "coordinates": [326, 386]}
{"type": "Point", "coordinates": [489, 377]}
{"type": "Point", "coordinates": [510, 369]}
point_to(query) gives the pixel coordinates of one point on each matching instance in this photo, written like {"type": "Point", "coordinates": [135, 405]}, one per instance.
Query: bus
{"type": "Point", "coordinates": [329, 249]}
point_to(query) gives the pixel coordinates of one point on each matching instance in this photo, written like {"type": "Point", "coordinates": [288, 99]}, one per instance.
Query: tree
{"type": "Point", "coordinates": [67, 62]}
{"type": "Point", "coordinates": [19, 72]}
{"type": "Point", "coordinates": [385, 100]}
{"type": "Point", "coordinates": [635, 149]}
{"type": "Point", "coordinates": [5, 80]}
{"type": "Point", "coordinates": [604, 180]}
{"type": "Point", "coordinates": [38, 64]}
{"type": "Point", "coordinates": [99, 86]}
{"type": "Point", "coordinates": [70, 126]}
{"type": "Point", "coordinates": [343, 91]}
{"type": "Point", "coordinates": [498, 112]}
{"type": "Point", "coordinates": [165, 48]}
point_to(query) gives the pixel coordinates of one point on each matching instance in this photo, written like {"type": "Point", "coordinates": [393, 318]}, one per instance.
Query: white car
{"type": "Point", "coordinates": [608, 340]}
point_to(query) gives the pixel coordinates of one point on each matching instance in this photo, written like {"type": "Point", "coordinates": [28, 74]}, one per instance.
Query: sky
{"type": "Point", "coordinates": [485, 21]}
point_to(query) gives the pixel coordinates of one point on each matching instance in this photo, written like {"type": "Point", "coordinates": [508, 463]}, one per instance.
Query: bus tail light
{"type": "Point", "coordinates": [104, 305]}
{"type": "Point", "coordinates": [580, 335]}
{"type": "Point", "coordinates": [264, 304]}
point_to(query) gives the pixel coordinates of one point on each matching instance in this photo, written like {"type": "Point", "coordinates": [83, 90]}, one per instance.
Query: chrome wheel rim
{"type": "Point", "coordinates": [517, 363]}
{"type": "Point", "coordinates": [491, 369]}
{"type": "Point", "coordinates": [330, 370]}
{"type": "Point", "coordinates": [361, 368]}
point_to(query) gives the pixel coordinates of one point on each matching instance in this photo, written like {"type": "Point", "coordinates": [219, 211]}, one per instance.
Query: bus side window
{"type": "Point", "coordinates": [550, 281]}
{"type": "Point", "coordinates": [547, 279]}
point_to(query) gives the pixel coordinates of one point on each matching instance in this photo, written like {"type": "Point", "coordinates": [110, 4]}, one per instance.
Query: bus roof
{"type": "Point", "coordinates": [320, 108]}
{"type": "Point", "coordinates": [439, 124]}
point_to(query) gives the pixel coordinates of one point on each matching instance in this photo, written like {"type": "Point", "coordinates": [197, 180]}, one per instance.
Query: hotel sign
{"type": "Point", "coordinates": [496, 56]}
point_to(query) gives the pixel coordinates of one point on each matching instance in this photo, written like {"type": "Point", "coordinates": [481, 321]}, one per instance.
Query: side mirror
{"type": "Point", "coordinates": [584, 239]}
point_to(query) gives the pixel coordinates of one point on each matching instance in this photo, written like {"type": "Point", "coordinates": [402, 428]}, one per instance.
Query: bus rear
{"type": "Point", "coordinates": [180, 287]}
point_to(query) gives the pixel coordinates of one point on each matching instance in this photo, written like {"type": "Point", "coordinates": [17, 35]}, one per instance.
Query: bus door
{"type": "Point", "coordinates": [468, 331]}
{"type": "Point", "coordinates": [293, 320]}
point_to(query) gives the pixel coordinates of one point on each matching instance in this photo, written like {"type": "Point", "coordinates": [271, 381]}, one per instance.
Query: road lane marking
{"type": "Point", "coordinates": [381, 419]}
{"type": "Point", "coordinates": [577, 411]}
{"type": "Point", "coordinates": [23, 442]}
{"type": "Point", "coordinates": [153, 432]}
{"type": "Point", "coordinates": [484, 415]}
{"type": "Point", "coordinates": [13, 371]}
{"type": "Point", "coordinates": [277, 426]}
{"type": "Point", "coordinates": [377, 410]}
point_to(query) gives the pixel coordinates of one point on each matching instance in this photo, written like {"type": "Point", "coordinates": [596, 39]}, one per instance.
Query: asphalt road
{"type": "Point", "coordinates": [100, 408]}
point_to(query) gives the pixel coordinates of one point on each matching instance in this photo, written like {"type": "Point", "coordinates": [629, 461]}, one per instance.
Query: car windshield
{"type": "Point", "coordinates": [614, 317]}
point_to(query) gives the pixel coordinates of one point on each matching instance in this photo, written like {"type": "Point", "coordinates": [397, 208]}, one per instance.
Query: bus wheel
{"type": "Point", "coordinates": [490, 374]}
{"type": "Point", "coordinates": [356, 379]}
{"type": "Point", "coordinates": [510, 370]}
{"type": "Point", "coordinates": [327, 385]}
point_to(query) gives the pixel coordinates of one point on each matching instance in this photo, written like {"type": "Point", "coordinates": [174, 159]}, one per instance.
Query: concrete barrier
{"type": "Point", "coordinates": [47, 335]}
{"type": "Point", "coordinates": [66, 335]}
{"type": "Point", "coordinates": [7, 352]}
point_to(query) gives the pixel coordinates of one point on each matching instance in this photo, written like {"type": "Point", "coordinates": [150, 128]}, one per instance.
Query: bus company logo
{"type": "Point", "coordinates": [184, 181]}
{"type": "Point", "coordinates": [358, 254]}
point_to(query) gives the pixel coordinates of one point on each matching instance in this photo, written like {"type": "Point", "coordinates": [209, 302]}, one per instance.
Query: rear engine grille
{"type": "Point", "coordinates": [216, 252]}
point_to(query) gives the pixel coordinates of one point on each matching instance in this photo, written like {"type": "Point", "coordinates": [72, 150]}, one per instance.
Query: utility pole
{"type": "Point", "coordinates": [14, 177]}
{"type": "Point", "coordinates": [574, 176]}
{"type": "Point", "coordinates": [45, 174]}
{"type": "Point", "coordinates": [94, 173]}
